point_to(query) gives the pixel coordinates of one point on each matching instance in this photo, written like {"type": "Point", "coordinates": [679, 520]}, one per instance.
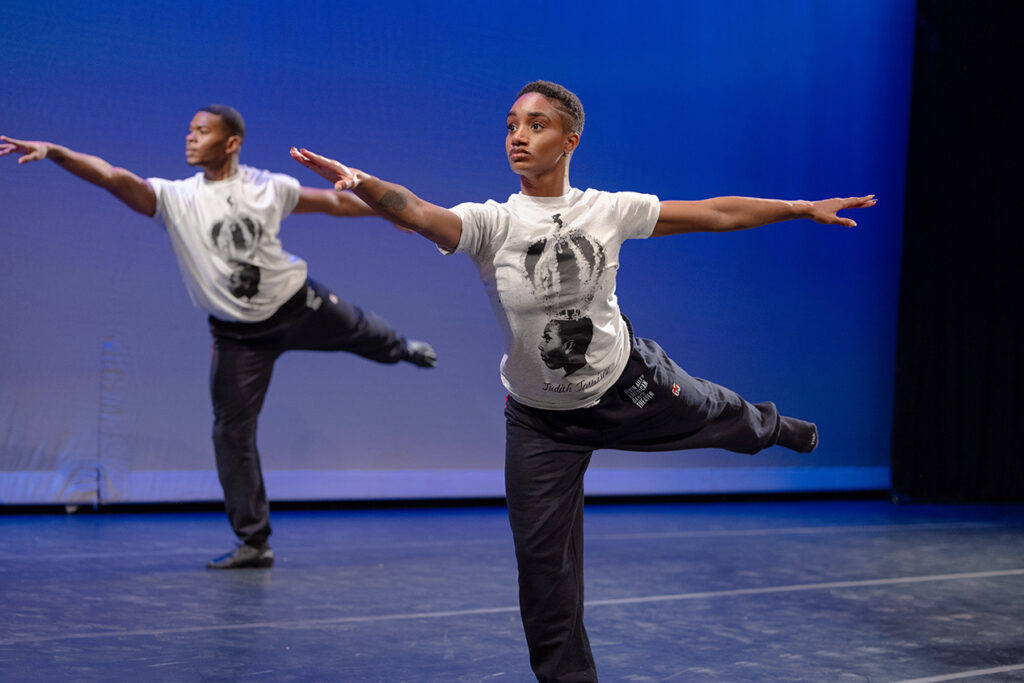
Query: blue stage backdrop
{"type": "Point", "coordinates": [104, 362]}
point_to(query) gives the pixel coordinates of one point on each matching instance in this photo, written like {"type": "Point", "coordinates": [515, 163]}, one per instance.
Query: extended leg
{"type": "Point", "coordinates": [661, 407]}
{"type": "Point", "coordinates": [330, 323]}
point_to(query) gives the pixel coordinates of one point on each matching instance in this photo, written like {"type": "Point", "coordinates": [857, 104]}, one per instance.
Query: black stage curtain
{"type": "Point", "coordinates": [959, 375]}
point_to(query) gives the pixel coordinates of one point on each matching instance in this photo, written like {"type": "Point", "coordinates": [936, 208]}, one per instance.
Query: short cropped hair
{"type": "Point", "coordinates": [566, 102]}
{"type": "Point", "coordinates": [580, 331]}
{"type": "Point", "coordinates": [230, 116]}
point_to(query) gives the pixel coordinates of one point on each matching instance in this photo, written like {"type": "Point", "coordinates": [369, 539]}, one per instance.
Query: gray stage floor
{"type": "Point", "coordinates": [740, 591]}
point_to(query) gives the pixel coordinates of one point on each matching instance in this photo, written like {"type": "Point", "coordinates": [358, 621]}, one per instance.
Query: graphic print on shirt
{"type": "Point", "coordinates": [236, 238]}
{"type": "Point", "coordinates": [564, 270]}
{"type": "Point", "coordinates": [565, 340]}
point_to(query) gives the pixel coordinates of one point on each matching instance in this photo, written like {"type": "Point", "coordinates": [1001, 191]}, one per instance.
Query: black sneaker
{"type": "Point", "coordinates": [420, 354]}
{"type": "Point", "coordinates": [244, 557]}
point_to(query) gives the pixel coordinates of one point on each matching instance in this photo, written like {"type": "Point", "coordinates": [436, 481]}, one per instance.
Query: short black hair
{"type": "Point", "coordinates": [230, 116]}
{"type": "Point", "coordinates": [565, 101]}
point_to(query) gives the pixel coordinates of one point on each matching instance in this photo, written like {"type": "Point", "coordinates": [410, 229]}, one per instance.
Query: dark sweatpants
{"type": "Point", "coordinates": [243, 359]}
{"type": "Point", "coordinates": [654, 406]}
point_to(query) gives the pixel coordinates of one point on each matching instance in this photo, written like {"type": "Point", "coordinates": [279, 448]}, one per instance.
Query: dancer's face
{"type": "Point", "coordinates": [536, 142]}
{"type": "Point", "coordinates": [208, 140]}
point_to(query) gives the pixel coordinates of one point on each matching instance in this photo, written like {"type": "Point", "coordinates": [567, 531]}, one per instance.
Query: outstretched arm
{"type": "Point", "coordinates": [391, 201]}
{"type": "Point", "coordinates": [123, 184]}
{"type": "Point", "coordinates": [331, 202]}
{"type": "Point", "coordinates": [723, 214]}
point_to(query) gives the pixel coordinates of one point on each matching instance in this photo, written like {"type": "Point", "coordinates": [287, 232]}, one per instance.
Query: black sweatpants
{"type": "Point", "coordinates": [654, 406]}
{"type": "Point", "coordinates": [314, 319]}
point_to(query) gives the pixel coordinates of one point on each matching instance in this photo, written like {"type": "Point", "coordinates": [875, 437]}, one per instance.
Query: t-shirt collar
{"type": "Point", "coordinates": [566, 198]}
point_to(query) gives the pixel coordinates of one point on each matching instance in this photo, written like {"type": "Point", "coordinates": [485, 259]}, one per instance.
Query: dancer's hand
{"type": "Point", "coordinates": [30, 150]}
{"type": "Point", "coordinates": [341, 176]}
{"type": "Point", "coordinates": [391, 201]}
{"type": "Point", "coordinates": [825, 210]}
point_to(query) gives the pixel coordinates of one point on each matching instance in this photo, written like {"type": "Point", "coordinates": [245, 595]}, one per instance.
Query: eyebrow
{"type": "Point", "coordinates": [530, 113]}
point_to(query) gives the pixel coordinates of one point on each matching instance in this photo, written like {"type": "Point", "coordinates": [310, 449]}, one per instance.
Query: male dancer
{"type": "Point", "coordinates": [223, 224]}
{"type": "Point", "coordinates": [549, 255]}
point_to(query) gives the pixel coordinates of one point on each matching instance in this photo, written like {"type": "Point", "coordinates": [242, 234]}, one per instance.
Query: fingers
{"type": "Point", "coordinates": [316, 161]}
{"type": "Point", "coordinates": [831, 207]}
{"type": "Point", "coordinates": [838, 220]}
{"type": "Point", "coordinates": [859, 202]}
{"type": "Point", "coordinates": [303, 159]}
{"type": "Point", "coordinates": [11, 145]}
{"type": "Point", "coordinates": [343, 177]}
{"type": "Point", "coordinates": [310, 159]}
{"type": "Point", "coordinates": [306, 157]}
{"type": "Point", "coordinates": [320, 161]}
{"type": "Point", "coordinates": [29, 151]}
{"type": "Point", "coordinates": [323, 161]}
{"type": "Point", "coordinates": [317, 164]}
{"type": "Point", "coordinates": [842, 220]}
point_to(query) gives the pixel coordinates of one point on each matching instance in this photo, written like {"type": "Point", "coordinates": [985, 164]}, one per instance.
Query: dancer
{"type": "Point", "coordinates": [548, 257]}
{"type": "Point", "coordinates": [223, 224]}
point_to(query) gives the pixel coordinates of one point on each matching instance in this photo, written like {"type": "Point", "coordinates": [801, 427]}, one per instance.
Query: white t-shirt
{"type": "Point", "coordinates": [225, 235]}
{"type": "Point", "coordinates": [549, 265]}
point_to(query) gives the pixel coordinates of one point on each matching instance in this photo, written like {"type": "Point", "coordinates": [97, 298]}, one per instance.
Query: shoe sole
{"type": "Point", "coordinates": [255, 563]}
{"type": "Point", "coordinates": [247, 565]}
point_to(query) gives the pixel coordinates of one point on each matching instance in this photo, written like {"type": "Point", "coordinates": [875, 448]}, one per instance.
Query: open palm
{"type": "Point", "coordinates": [341, 176]}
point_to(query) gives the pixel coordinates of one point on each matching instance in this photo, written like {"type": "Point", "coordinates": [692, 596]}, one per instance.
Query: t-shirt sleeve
{"type": "Point", "coordinates": [638, 213]}
{"type": "Point", "coordinates": [288, 190]}
{"type": "Point", "coordinates": [167, 200]}
{"type": "Point", "coordinates": [479, 221]}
